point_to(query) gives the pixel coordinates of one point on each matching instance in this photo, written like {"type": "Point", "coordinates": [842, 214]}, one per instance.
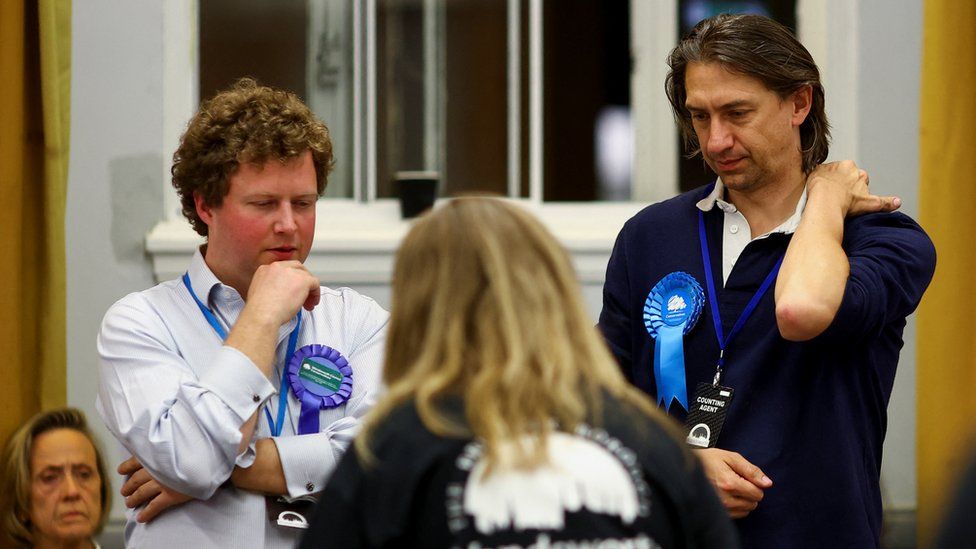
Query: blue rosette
{"type": "Point", "coordinates": [320, 377]}
{"type": "Point", "coordinates": [671, 310]}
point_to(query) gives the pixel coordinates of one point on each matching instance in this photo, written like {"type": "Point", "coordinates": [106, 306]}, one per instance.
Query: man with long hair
{"type": "Point", "coordinates": [244, 378]}
{"type": "Point", "coordinates": [766, 310]}
{"type": "Point", "coordinates": [505, 423]}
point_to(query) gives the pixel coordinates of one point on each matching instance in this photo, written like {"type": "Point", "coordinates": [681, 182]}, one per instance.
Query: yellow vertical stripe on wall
{"type": "Point", "coordinates": [34, 118]}
{"type": "Point", "coordinates": [17, 165]}
{"type": "Point", "coordinates": [946, 380]}
{"type": "Point", "coordinates": [54, 17]}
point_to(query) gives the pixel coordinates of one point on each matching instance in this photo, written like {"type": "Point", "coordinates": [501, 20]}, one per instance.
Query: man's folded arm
{"type": "Point", "coordinates": [299, 465]}
{"type": "Point", "coordinates": [296, 465]}
{"type": "Point", "coordinates": [183, 428]}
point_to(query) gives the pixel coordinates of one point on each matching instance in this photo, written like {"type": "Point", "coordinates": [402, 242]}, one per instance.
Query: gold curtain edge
{"type": "Point", "coordinates": [55, 47]}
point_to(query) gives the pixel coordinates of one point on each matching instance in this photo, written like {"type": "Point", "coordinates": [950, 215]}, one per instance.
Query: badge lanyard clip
{"type": "Point", "coordinates": [718, 368]}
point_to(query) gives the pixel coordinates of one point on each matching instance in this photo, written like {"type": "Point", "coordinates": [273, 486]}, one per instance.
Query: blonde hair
{"type": "Point", "coordinates": [15, 486]}
{"type": "Point", "coordinates": [486, 307]}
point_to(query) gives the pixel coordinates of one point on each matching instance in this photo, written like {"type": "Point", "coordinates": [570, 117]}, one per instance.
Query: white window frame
{"type": "Point", "coordinates": [356, 238]}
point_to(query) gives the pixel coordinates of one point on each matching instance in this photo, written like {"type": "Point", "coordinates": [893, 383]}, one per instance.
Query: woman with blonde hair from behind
{"type": "Point", "coordinates": [506, 421]}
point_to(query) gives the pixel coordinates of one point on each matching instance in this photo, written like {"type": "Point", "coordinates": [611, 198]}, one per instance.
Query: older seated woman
{"type": "Point", "coordinates": [54, 491]}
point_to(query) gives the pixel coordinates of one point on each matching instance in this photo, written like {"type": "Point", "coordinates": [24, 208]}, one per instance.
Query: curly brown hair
{"type": "Point", "coordinates": [754, 46]}
{"type": "Point", "coordinates": [245, 123]}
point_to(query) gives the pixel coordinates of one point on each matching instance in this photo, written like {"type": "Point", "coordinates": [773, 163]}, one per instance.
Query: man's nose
{"type": "Point", "coordinates": [719, 137]}
{"type": "Point", "coordinates": [286, 219]}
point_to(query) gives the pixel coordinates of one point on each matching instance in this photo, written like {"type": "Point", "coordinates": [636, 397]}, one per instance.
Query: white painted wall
{"type": "Point", "coordinates": [118, 166]}
{"type": "Point", "coordinates": [115, 176]}
{"type": "Point", "coordinates": [890, 37]}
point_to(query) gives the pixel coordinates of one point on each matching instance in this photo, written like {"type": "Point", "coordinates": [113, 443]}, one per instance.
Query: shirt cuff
{"type": "Point", "coordinates": [234, 378]}
{"type": "Point", "coordinates": [308, 460]}
{"type": "Point", "coordinates": [247, 458]}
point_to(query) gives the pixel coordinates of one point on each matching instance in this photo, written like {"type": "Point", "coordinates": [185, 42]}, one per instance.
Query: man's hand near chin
{"type": "Point", "coordinates": [739, 484]}
{"type": "Point", "coordinates": [140, 488]}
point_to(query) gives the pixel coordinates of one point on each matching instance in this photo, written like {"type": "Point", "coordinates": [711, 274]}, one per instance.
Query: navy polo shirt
{"type": "Point", "coordinates": [811, 415]}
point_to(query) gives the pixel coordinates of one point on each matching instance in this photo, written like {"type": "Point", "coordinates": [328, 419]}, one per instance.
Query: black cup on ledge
{"type": "Point", "coordinates": [417, 192]}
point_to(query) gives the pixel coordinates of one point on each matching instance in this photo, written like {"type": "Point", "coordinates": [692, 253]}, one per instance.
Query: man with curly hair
{"type": "Point", "coordinates": [237, 386]}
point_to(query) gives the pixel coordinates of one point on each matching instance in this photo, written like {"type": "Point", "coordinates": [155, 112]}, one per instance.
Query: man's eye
{"type": "Point", "coordinates": [264, 203]}
{"type": "Point", "coordinates": [699, 116]}
{"type": "Point", "coordinates": [303, 204]}
{"type": "Point", "coordinates": [737, 114]}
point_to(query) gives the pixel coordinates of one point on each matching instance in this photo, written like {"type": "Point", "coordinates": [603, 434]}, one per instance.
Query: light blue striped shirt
{"type": "Point", "coordinates": [175, 397]}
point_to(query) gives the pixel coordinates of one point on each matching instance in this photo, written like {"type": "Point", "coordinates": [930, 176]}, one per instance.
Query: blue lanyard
{"type": "Point", "coordinates": [292, 342]}
{"type": "Point", "coordinates": [723, 341]}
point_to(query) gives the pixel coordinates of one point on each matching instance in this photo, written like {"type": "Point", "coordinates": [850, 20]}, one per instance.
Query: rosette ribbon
{"type": "Point", "coordinates": [320, 377]}
{"type": "Point", "coordinates": [671, 311]}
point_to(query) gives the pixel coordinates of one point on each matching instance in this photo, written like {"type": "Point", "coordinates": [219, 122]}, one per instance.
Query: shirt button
{"type": "Point", "coordinates": [734, 229]}
{"type": "Point", "coordinates": [255, 398]}
{"type": "Point", "coordinates": [310, 487]}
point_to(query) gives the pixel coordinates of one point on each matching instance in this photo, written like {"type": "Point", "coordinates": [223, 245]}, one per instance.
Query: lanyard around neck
{"type": "Point", "coordinates": [292, 343]}
{"type": "Point", "coordinates": [723, 341]}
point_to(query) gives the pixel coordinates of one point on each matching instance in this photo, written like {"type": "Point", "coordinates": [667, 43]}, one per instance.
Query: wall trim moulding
{"type": "Point", "coordinates": [355, 243]}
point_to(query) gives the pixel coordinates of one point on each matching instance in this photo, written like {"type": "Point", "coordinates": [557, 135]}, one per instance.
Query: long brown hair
{"type": "Point", "coordinates": [754, 46]}
{"type": "Point", "coordinates": [486, 307]}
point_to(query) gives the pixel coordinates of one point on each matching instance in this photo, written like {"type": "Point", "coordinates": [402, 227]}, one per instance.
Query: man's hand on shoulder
{"type": "Point", "coordinates": [811, 282]}
{"type": "Point", "coordinates": [141, 488]}
{"type": "Point", "coordinates": [739, 483]}
{"type": "Point", "coordinates": [846, 185]}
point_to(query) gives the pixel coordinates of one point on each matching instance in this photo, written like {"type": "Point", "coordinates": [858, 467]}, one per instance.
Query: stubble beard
{"type": "Point", "coordinates": [751, 179]}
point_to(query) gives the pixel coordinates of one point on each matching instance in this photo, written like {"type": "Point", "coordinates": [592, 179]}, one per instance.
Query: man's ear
{"type": "Point", "coordinates": [204, 210]}
{"type": "Point", "coordinates": [802, 101]}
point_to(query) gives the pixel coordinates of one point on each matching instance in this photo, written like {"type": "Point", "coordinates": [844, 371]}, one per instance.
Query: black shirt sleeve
{"type": "Point", "coordinates": [615, 322]}
{"type": "Point", "coordinates": [892, 261]}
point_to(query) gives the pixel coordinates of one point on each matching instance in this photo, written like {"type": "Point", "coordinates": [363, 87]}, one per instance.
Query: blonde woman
{"type": "Point", "coordinates": [506, 422]}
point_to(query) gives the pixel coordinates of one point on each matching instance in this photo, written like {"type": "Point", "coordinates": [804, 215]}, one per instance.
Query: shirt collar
{"type": "Point", "coordinates": [205, 282]}
{"type": "Point", "coordinates": [792, 222]}
{"type": "Point", "coordinates": [211, 291]}
{"type": "Point", "coordinates": [714, 198]}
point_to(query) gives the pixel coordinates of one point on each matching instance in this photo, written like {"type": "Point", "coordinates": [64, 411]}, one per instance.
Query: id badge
{"type": "Point", "coordinates": [707, 415]}
{"type": "Point", "coordinates": [285, 512]}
